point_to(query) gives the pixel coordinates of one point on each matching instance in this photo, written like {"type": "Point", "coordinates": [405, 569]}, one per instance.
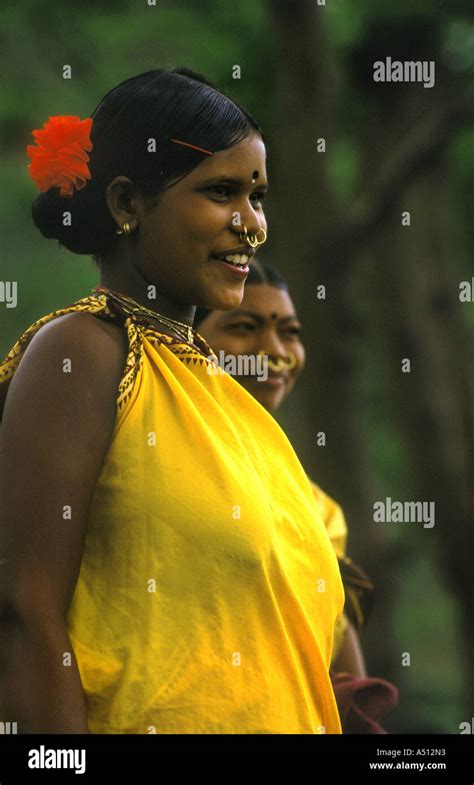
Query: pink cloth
{"type": "Point", "coordinates": [363, 702]}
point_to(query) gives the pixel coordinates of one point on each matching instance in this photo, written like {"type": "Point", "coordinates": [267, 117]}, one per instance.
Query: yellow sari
{"type": "Point", "coordinates": [209, 589]}
{"type": "Point", "coordinates": [336, 527]}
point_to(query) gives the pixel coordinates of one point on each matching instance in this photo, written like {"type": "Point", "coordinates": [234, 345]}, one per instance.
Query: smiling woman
{"type": "Point", "coordinates": [167, 568]}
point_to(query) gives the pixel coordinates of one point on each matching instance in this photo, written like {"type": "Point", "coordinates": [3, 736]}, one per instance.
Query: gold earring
{"type": "Point", "coordinates": [124, 230]}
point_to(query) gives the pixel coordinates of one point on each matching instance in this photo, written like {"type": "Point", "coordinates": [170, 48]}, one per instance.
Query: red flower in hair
{"type": "Point", "coordinates": [60, 157]}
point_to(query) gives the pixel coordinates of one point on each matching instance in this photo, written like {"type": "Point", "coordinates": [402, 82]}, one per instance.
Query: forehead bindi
{"type": "Point", "coordinates": [244, 160]}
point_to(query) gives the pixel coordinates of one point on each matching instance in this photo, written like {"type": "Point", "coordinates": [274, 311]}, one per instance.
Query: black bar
{"type": "Point", "coordinates": [157, 758]}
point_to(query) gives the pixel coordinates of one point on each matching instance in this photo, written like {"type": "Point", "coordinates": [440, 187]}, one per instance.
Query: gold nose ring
{"type": "Point", "coordinates": [287, 363]}
{"type": "Point", "coordinates": [291, 361]}
{"type": "Point", "coordinates": [254, 243]}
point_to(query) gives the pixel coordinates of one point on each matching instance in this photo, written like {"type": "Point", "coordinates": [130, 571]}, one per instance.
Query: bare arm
{"type": "Point", "coordinates": [351, 658]}
{"type": "Point", "coordinates": [55, 433]}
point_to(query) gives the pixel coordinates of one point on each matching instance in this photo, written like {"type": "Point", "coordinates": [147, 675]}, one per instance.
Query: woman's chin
{"type": "Point", "coordinates": [230, 299]}
{"type": "Point", "coordinates": [222, 294]}
{"type": "Point", "coordinates": [267, 397]}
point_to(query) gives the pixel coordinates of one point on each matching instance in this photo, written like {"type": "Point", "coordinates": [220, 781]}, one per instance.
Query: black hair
{"type": "Point", "coordinates": [161, 104]}
{"type": "Point", "coordinates": [260, 273]}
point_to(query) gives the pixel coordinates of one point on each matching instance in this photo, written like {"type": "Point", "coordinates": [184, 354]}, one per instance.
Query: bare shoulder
{"type": "Point", "coordinates": [85, 328]}
{"type": "Point", "coordinates": [76, 346]}
{"type": "Point", "coordinates": [98, 347]}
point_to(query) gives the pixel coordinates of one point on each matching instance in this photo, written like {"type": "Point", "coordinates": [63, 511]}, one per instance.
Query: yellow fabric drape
{"type": "Point", "coordinates": [209, 589]}
{"type": "Point", "coordinates": [335, 523]}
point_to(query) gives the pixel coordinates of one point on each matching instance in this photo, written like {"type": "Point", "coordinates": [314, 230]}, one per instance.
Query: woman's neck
{"type": "Point", "coordinates": [137, 288]}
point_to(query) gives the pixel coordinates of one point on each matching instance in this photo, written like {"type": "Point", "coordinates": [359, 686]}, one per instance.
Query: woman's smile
{"type": "Point", "coordinates": [236, 269]}
{"type": "Point", "coordinates": [274, 380]}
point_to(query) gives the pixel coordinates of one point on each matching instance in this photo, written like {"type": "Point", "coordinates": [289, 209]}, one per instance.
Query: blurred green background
{"type": "Point", "coordinates": [334, 218]}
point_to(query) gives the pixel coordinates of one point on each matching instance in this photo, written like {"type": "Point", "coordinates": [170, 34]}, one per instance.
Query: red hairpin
{"type": "Point", "coordinates": [186, 144]}
{"type": "Point", "coordinates": [59, 157]}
